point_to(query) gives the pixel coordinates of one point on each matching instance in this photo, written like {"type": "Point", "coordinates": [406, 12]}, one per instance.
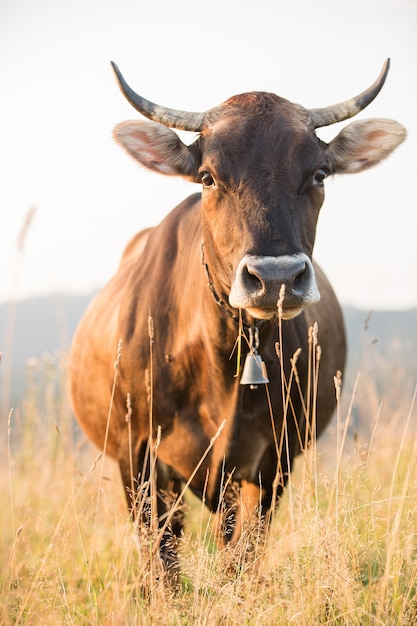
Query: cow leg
{"type": "Point", "coordinates": [247, 508]}
{"type": "Point", "coordinates": [238, 513]}
{"type": "Point", "coordinates": [240, 528]}
{"type": "Point", "coordinates": [129, 475]}
{"type": "Point", "coordinates": [171, 510]}
{"type": "Point", "coordinates": [150, 505]}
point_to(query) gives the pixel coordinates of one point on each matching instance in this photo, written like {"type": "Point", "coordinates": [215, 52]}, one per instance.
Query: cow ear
{"type": "Point", "coordinates": [363, 144]}
{"type": "Point", "coordinates": [156, 147]}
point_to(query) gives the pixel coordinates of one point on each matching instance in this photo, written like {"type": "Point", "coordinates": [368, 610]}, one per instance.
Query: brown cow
{"type": "Point", "coordinates": [211, 272]}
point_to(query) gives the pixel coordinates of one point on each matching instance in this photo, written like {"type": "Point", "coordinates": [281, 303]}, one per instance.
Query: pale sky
{"type": "Point", "coordinates": [59, 103]}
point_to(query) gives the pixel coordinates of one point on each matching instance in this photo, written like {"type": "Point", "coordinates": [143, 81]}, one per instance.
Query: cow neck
{"type": "Point", "coordinates": [237, 317]}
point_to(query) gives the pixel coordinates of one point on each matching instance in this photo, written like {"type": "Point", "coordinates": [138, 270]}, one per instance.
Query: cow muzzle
{"type": "Point", "coordinates": [258, 281]}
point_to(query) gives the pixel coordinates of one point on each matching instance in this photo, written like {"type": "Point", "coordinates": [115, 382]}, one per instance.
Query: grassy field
{"type": "Point", "coordinates": [342, 547]}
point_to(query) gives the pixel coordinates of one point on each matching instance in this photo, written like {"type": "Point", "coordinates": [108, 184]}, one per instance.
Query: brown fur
{"type": "Point", "coordinates": [264, 202]}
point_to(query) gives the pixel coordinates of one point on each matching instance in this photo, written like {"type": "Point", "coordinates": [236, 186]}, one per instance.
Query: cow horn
{"type": "Point", "coordinates": [172, 118]}
{"type": "Point", "coordinates": [349, 108]}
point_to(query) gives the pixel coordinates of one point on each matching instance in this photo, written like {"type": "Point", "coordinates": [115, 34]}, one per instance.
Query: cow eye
{"type": "Point", "coordinates": [206, 179]}
{"type": "Point", "coordinates": [320, 175]}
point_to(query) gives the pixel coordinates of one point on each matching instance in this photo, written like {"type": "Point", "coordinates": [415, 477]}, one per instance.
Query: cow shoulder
{"type": "Point", "coordinates": [135, 247]}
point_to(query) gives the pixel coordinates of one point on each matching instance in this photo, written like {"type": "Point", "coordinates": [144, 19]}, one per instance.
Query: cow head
{"type": "Point", "coordinates": [262, 170]}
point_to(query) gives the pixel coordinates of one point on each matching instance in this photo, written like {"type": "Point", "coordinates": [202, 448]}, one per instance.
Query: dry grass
{"type": "Point", "coordinates": [342, 547]}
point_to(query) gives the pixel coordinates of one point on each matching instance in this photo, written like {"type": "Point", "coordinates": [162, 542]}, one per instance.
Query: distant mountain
{"type": "Point", "coordinates": [393, 334]}
{"type": "Point", "coordinates": [35, 328]}
{"type": "Point", "coordinates": [43, 328]}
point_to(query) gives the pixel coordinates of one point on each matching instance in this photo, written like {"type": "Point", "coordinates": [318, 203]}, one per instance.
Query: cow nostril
{"type": "Point", "coordinates": [302, 280]}
{"type": "Point", "coordinates": [299, 279]}
{"type": "Point", "coordinates": [252, 279]}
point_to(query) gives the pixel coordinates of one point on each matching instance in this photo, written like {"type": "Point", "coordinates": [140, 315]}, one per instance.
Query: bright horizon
{"type": "Point", "coordinates": [60, 102]}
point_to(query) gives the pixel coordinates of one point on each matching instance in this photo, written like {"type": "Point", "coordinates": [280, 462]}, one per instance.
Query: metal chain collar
{"type": "Point", "coordinates": [221, 303]}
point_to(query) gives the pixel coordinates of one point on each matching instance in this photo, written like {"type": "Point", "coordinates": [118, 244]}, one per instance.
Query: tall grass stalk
{"type": "Point", "coordinates": [90, 560]}
{"type": "Point", "coordinates": [342, 547]}
{"type": "Point", "coordinates": [394, 522]}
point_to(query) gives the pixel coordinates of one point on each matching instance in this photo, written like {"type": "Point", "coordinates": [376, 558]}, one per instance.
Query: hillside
{"type": "Point", "coordinates": [43, 328]}
{"type": "Point", "coordinates": [40, 328]}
